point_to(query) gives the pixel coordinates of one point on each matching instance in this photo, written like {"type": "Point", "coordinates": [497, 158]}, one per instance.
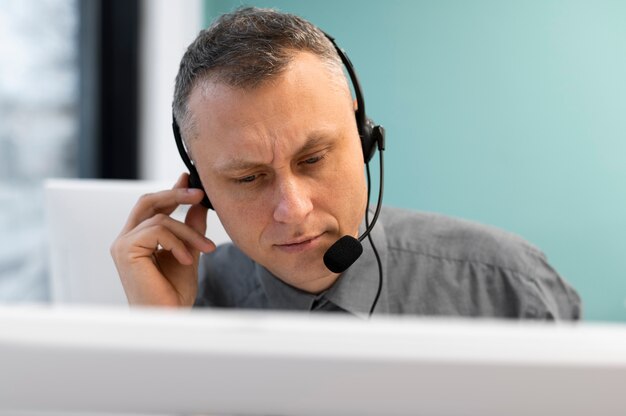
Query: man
{"type": "Point", "coordinates": [266, 115]}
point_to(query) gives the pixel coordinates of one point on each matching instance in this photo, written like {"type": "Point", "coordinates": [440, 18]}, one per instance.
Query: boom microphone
{"type": "Point", "coordinates": [345, 251]}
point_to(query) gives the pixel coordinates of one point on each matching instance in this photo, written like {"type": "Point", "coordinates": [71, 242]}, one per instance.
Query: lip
{"type": "Point", "coordinates": [299, 245]}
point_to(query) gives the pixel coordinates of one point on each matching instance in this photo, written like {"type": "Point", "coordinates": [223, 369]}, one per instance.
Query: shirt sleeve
{"type": "Point", "coordinates": [555, 299]}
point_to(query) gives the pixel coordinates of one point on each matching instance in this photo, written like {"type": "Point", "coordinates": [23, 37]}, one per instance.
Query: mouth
{"type": "Point", "coordinates": [300, 244]}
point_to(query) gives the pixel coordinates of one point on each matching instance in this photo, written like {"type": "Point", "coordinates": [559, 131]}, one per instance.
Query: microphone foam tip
{"type": "Point", "coordinates": [342, 254]}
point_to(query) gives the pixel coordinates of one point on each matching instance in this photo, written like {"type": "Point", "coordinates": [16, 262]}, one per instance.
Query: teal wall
{"type": "Point", "coordinates": [508, 113]}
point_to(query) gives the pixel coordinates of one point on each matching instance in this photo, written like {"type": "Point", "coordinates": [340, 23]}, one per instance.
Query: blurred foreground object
{"type": "Point", "coordinates": [255, 363]}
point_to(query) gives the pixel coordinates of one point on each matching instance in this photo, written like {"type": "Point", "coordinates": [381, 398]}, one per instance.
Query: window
{"type": "Point", "coordinates": [39, 124]}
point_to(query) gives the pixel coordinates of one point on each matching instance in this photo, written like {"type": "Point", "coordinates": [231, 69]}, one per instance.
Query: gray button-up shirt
{"type": "Point", "coordinates": [432, 265]}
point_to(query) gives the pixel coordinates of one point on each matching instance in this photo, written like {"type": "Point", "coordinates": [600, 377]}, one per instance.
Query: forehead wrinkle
{"type": "Point", "coordinates": [227, 163]}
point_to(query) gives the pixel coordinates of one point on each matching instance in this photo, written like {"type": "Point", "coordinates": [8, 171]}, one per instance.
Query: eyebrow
{"type": "Point", "coordinates": [236, 164]}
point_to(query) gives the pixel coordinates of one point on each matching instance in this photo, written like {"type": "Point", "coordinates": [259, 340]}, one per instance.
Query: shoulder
{"type": "Point", "coordinates": [476, 258]}
{"type": "Point", "coordinates": [226, 256]}
{"type": "Point", "coordinates": [226, 277]}
{"type": "Point", "coordinates": [452, 238]}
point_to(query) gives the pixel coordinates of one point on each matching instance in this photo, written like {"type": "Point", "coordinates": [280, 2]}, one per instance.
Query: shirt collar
{"type": "Point", "coordinates": [354, 290]}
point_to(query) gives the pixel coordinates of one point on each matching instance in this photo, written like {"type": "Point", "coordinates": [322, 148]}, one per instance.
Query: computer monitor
{"type": "Point", "coordinates": [83, 218]}
{"type": "Point", "coordinates": [97, 361]}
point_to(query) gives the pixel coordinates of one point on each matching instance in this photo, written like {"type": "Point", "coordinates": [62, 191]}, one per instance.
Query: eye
{"type": "Point", "coordinates": [247, 179]}
{"type": "Point", "coordinates": [313, 160]}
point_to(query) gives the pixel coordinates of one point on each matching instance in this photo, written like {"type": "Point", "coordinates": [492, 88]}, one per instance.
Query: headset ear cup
{"type": "Point", "coordinates": [194, 178]}
{"type": "Point", "coordinates": [194, 182]}
{"type": "Point", "coordinates": [368, 140]}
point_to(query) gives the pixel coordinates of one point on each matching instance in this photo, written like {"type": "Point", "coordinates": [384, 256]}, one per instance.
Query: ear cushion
{"type": "Point", "coordinates": [194, 182]}
{"type": "Point", "coordinates": [369, 139]}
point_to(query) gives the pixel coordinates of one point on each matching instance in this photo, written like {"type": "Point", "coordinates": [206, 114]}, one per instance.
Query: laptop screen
{"type": "Point", "coordinates": [83, 218]}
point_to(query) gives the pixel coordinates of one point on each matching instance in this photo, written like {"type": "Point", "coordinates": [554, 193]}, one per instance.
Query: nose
{"type": "Point", "coordinates": [293, 203]}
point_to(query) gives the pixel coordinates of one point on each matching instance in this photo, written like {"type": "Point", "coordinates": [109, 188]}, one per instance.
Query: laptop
{"type": "Point", "coordinates": [83, 217]}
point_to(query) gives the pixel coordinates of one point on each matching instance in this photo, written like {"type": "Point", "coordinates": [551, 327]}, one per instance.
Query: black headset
{"type": "Point", "coordinates": [372, 135]}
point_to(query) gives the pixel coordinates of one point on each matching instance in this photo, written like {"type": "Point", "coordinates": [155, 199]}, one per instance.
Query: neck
{"type": "Point", "coordinates": [314, 287]}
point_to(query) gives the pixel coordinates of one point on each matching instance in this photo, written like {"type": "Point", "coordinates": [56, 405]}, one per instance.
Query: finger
{"type": "Point", "coordinates": [149, 240]}
{"type": "Point", "coordinates": [164, 202]}
{"type": "Point", "coordinates": [196, 219]}
{"type": "Point", "coordinates": [192, 238]}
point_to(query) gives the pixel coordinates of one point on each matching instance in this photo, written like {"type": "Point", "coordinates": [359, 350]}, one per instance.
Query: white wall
{"type": "Point", "coordinates": [167, 28]}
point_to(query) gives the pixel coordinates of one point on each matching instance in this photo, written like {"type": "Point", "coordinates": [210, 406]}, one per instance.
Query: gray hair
{"type": "Point", "coordinates": [243, 49]}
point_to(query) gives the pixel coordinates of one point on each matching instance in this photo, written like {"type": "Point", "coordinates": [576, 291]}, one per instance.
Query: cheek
{"type": "Point", "coordinates": [347, 195]}
{"type": "Point", "coordinates": [358, 197]}
{"type": "Point", "coordinates": [242, 223]}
